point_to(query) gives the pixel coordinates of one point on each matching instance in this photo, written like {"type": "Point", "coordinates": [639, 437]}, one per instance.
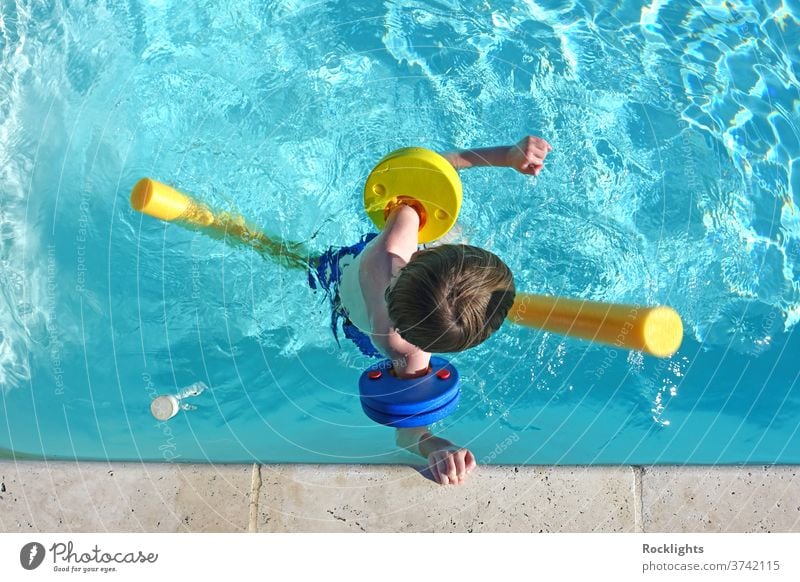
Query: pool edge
{"type": "Point", "coordinates": [147, 497]}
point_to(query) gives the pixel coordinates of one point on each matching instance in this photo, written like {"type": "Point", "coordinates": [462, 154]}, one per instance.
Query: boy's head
{"type": "Point", "coordinates": [450, 297]}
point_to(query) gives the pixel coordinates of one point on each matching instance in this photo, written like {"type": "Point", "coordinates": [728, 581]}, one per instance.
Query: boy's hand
{"type": "Point", "coordinates": [451, 465]}
{"type": "Point", "coordinates": [528, 155]}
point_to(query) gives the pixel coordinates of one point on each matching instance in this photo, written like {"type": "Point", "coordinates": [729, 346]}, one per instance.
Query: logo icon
{"type": "Point", "coordinates": [32, 555]}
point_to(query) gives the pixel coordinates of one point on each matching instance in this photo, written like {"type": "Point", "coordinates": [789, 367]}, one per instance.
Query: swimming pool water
{"type": "Point", "coordinates": [673, 180]}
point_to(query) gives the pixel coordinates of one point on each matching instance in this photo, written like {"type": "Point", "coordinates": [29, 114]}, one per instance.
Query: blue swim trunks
{"type": "Point", "coordinates": [327, 273]}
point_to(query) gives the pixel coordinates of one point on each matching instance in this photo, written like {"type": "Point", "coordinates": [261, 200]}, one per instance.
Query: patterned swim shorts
{"type": "Point", "coordinates": [326, 274]}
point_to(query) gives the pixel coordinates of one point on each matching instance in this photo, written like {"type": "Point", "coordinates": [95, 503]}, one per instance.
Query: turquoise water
{"type": "Point", "coordinates": [674, 179]}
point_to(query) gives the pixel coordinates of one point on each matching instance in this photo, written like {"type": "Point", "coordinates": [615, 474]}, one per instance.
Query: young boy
{"type": "Point", "coordinates": [403, 303]}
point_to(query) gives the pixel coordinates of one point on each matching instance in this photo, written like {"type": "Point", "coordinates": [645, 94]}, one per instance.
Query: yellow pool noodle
{"type": "Point", "coordinates": [165, 203]}
{"type": "Point", "coordinates": [655, 330]}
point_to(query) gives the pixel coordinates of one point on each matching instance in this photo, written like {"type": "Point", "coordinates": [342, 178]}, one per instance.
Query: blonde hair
{"type": "Point", "coordinates": [450, 297]}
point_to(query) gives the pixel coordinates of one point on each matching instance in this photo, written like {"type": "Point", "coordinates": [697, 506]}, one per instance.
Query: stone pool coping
{"type": "Point", "coordinates": [37, 496]}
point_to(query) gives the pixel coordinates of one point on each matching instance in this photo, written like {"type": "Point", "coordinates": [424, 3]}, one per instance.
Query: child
{"type": "Point", "coordinates": [403, 303]}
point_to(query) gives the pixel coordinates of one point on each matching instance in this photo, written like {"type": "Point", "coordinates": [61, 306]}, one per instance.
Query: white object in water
{"type": "Point", "coordinates": [192, 390]}
{"type": "Point", "coordinates": [165, 407]}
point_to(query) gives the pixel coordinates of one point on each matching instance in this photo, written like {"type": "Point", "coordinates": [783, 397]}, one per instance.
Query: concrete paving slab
{"type": "Point", "coordinates": [347, 498]}
{"type": "Point", "coordinates": [214, 498]}
{"type": "Point", "coordinates": [721, 499]}
{"type": "Point", "coordinates": [86, 497]}
{"type": "Point", "coordinates": [129, 497]}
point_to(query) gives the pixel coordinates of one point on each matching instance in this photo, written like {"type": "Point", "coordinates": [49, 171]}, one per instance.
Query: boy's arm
{"type": "Point", "coordinates": [399, 240]}
{"type": "Point", "coordinates": [526, 156]}
{"type": "Point", "coordinates": [494, 156]}
{"type": "Point", "coordinates": [419, 441]}
{"type": "Point", "coordinates": [401, 231]}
